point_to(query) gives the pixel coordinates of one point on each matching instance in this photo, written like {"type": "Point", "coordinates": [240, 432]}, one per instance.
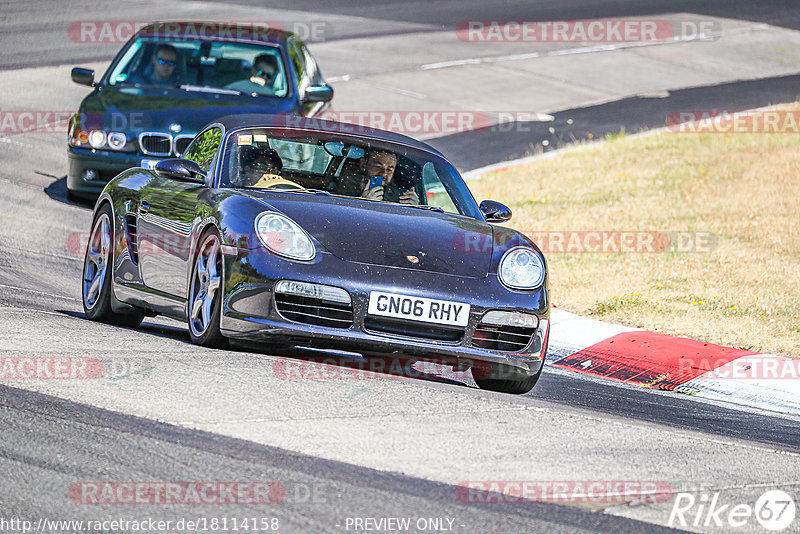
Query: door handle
{"type": "Point", "coordinates": [144, 206]}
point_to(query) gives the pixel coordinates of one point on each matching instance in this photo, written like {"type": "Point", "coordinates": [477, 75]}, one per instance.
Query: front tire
{"type": "Point", "coordinates": [205, 293]}
{"type": "Point", "coordinates": [97, 274]}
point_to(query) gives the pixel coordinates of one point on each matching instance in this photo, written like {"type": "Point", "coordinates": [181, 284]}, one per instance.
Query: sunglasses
{"type": "Point", "coordinates": [266, 74]}
{"type": "Point", "coordinates": [162, 61]}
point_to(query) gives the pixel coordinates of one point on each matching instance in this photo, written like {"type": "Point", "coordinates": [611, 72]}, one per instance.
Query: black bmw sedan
{"type": "Point", "coordinates": [172, 78]}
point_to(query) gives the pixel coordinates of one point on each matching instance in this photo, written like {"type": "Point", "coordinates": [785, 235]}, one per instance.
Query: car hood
{"type": "Point", "coordinates": [141, 109]}
{"type": "Point", "coordinates": [391, 235]}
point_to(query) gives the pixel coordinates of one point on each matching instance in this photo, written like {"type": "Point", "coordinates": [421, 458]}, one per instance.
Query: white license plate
{"type": "Point", "coordinates": [418, 308]}
{"type": "Point", "coordinates": [149, 163]}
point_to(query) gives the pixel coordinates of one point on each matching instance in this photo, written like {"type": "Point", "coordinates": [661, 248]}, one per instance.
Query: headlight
{"type": "Point", "coordinates": [97, 138]}
{"type": "Point", "coordinates": [521, 268]}
{"type": "Point", "coordinates": [284, 237]}
{"type": "Point", "coordinates": [117, 140]}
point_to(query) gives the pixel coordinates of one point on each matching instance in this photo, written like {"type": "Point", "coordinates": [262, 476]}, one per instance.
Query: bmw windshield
{"type": "Point", "coordinates": [225, 67]}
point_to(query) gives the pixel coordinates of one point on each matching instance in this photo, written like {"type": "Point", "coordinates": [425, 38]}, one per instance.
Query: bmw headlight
{"type": "Point", "coordinates": [97, 138]}
{"type": "Point", "coordinates": [284, 237]}
{"type": "Point", "coordinates": [521, 268]}
{"type": "Point", "coordinates": [117, 140]}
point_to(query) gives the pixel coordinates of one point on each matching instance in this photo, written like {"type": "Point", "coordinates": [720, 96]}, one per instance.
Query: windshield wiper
{"type": "Point", "coordinates": [209, 89]}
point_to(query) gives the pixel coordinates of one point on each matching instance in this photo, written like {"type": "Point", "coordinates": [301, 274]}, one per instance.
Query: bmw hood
{"type": "Point", "coordinates": [140, 109]}
{"type": "Point", "coordinates": [391, 235]}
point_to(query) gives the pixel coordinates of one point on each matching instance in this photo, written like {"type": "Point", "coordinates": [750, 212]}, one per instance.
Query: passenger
{"type": "Point", "coordinates": [262, 76]}
{"type": "Point", "coordinates": [383, 164]}
{"type": "Point", "coordinates": [255, 163]}
{"type": "Point", "coordinates": [161, 70]}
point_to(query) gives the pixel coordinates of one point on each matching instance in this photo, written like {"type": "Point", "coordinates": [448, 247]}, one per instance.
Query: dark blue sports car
{"type": "Point", "coordinates": [289, 231]}
{"type": "Point", "coordinates": [171, 79]}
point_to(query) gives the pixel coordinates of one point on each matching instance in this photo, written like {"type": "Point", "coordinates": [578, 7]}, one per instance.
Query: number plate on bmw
{"type": "Point", "coordinates": [418, 308]}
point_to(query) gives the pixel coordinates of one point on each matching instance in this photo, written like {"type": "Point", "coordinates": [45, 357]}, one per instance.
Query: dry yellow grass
{"type": "Point", "coordinates": [742, 188]}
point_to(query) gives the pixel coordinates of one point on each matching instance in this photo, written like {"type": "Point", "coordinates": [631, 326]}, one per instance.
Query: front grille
{"type": "Point", "coordinates": [130, 237]}
{"type": "Point", "coordinates": [155, 144]}
{"type": "Point", "coordinates": [314, 311]}
{"type": "Point", "coordinates": [414, 329]}
{"type": "Point", "coordinates": [502, 338]}
{"type": "Point", "coordinates": [181, 144]}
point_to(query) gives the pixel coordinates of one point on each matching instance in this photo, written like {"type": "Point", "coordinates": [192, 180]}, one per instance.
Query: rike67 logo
{"type": "Point", "coordinates": [774, 510]}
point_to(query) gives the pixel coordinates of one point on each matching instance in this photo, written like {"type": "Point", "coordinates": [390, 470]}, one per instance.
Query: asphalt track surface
{"type": "Point", "coordinates": [380, 447]}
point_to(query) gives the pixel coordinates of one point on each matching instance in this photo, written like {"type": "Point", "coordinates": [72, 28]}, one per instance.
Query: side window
{"type": "Point", "coordinates": [204, 148]}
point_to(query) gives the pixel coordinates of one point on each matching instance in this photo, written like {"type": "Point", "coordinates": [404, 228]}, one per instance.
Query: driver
{"type": "Point", "coordinates": [257, 163]}
{"type": "Point", "coordinates": [382, 163]}
{"type": "Point", "coordinates": [161, 70]}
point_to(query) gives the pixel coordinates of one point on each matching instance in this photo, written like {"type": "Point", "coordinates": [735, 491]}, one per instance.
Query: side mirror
{"type": "Point", "coordinates": [494, 212]}
{"type": "Point", "coordinates": [180, 169]}
{"type": "Point", "coordinates": [83, 76]}
{"type": "Point", "coordinates": [319, 93]}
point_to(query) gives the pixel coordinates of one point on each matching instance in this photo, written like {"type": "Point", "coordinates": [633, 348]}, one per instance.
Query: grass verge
{"type": "Point", "coordinates": [736, 195]}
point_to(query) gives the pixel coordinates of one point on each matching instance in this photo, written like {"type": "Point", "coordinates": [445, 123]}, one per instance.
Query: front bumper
{"type": "Point", "coordinates": [250, 313]}
{"type": "Point", "coordinates": [106, 163]}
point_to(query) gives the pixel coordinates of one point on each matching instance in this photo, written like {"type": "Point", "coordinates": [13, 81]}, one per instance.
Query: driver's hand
{"type": "Point", "coordinates": [409, 197]}
{"type": "Point", "coordinates": [376, 193]}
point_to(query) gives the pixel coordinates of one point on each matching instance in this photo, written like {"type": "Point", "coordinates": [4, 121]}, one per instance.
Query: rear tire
{"type": "Point", "coordinates": [506, 379]}
{"type": "Point", "coordinates": [205, 293]}
{"type": "Point", "coordinates": [97, 274]}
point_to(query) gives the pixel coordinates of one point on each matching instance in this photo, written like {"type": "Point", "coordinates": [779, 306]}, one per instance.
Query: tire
{"type": "Point", "coordinates": [96, 280]}
{"type": "Point", "coordinates": [506, 379]}
{"type": "Point", "coordinates": [205, 293]}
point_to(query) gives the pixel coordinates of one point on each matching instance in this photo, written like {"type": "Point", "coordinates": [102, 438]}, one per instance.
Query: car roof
{"type": "Point", "coordinates": [222, 31]}
{"type": "Point", "coordinates": [315, 125]}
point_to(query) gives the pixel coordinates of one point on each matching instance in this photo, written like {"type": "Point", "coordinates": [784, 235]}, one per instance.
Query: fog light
{"type": "Point", "coordinates": [505, 318]}
{"type": "Point", "coordinates": [90, 174]}
{"type": "Point", "coordinates": [316, 291]}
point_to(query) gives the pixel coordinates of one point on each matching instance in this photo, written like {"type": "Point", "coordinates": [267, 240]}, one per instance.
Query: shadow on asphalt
{"type": "Point", "coordinates": [312, 363]}
{"type": "Point", "coordinates": [58, 191]}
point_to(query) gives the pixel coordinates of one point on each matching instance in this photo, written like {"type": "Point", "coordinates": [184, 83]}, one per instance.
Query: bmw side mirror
{"type": "Point", "coordinates": [83, 76]}
{"type": "Point", "coordinates": [180, 169]}
{"type": "Point", "coordinates": [494, 212]}
{"type": "Point", "coordinates": [319, 93]}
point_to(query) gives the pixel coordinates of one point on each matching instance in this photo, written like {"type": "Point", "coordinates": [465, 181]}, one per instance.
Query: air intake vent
{"type": "Point", "coordinates": [131, 238]}
{"type": "Point", "coordinates": [413, 329]}
{"type": "Point", "coordinates": [155, 144]}
{"type": "Point", "coordinates": [502, 338]}
{"type": "Point", "coordinates": [314, 311]}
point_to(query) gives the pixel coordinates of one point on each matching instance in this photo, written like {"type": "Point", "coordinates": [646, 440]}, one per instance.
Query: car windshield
{"type": "Point", "coordinates": [368, 170]}
{"type": "Point", "coordinates": [224, 67]}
